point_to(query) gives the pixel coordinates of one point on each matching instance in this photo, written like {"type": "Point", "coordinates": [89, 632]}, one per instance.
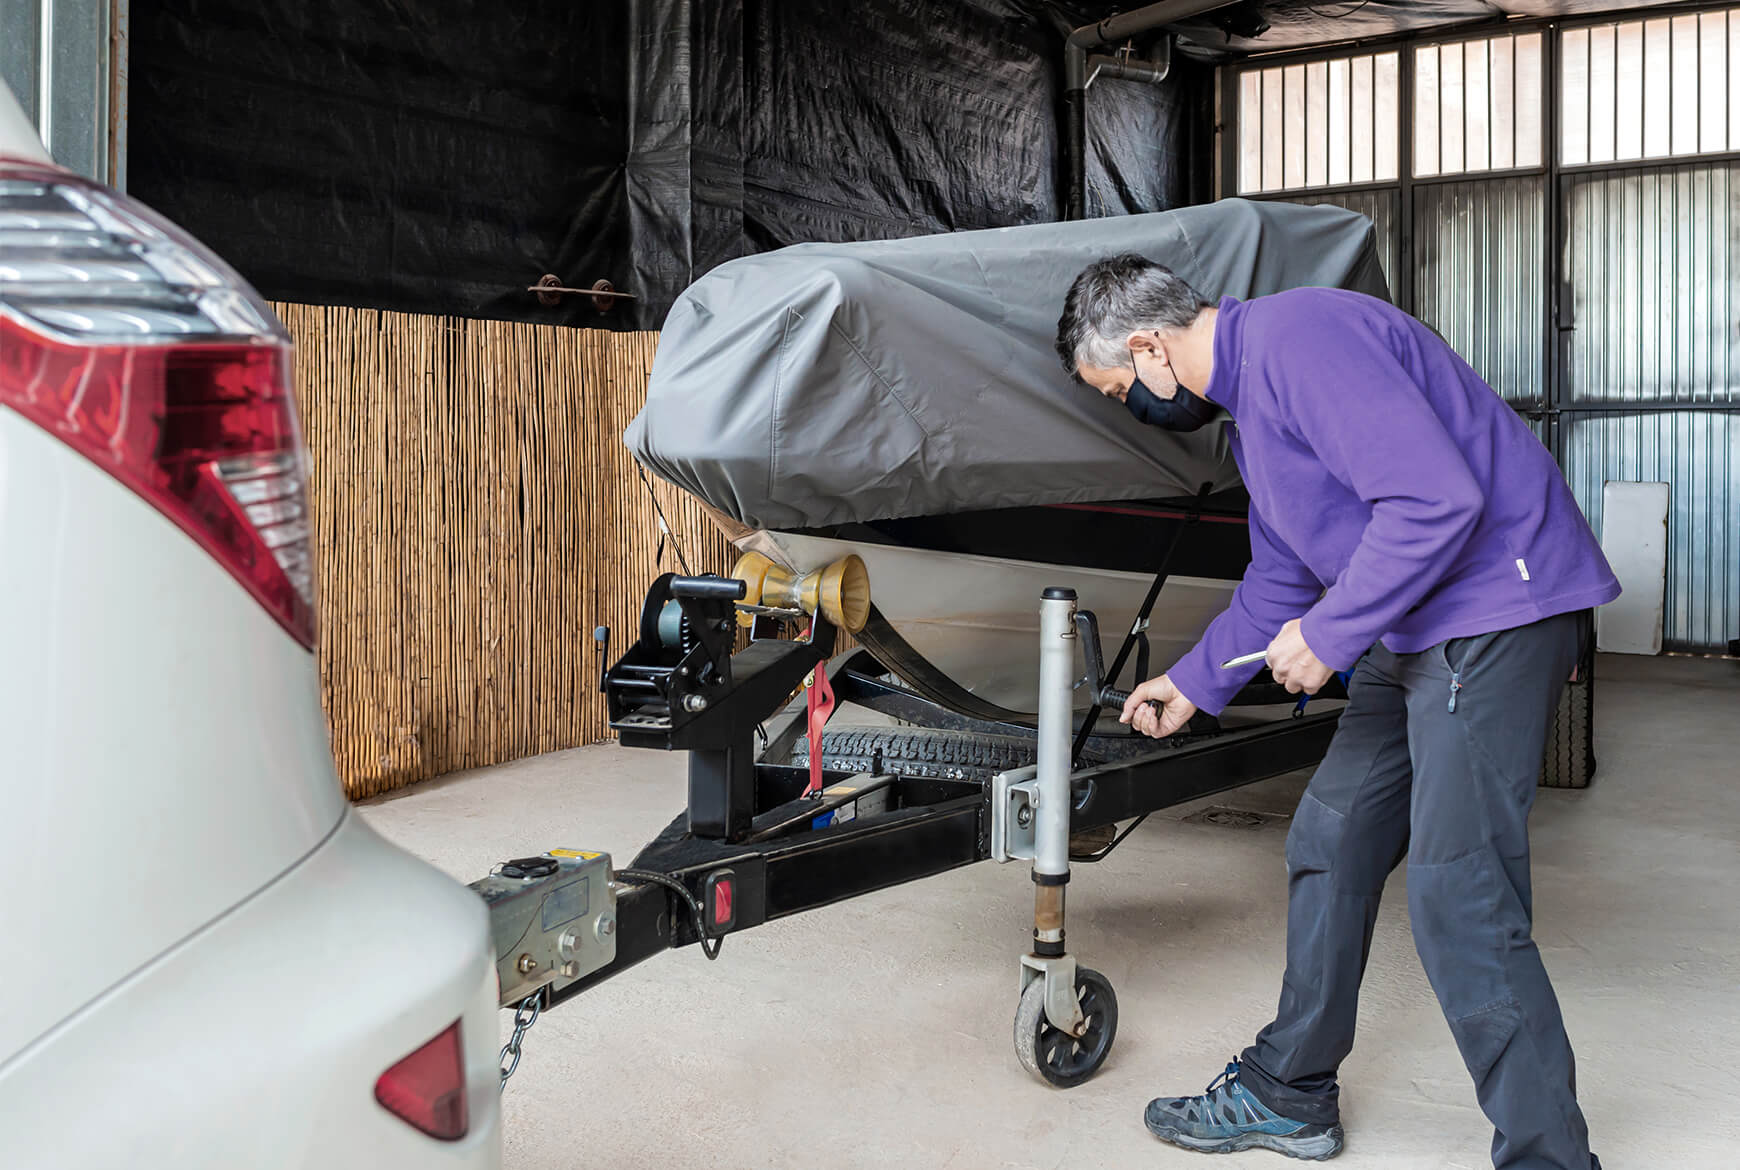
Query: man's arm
{"type": "Point", "coordinates": [1370, 423]}
{"type": "Point", "coordinates": [1276, 588]}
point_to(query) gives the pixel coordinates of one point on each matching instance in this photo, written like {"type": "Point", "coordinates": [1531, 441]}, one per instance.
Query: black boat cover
{"type": "Point", "coordinates": [828, 383]}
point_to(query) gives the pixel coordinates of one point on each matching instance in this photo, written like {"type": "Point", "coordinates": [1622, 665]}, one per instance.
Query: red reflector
{"type": "Point", "coordinates": [722, 902]}
{"type": "Point", "coordinates": [427, 1088]}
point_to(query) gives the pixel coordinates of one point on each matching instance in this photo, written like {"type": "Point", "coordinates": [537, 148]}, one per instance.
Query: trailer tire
{"type": "Point", "coordinates": [946, 755]}
{"type": "Point", "coordinates": [1569, 761]}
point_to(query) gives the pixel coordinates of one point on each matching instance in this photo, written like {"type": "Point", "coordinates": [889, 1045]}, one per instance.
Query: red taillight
{"type": "Point", "coordinates": [124, 338]}
{"type": "Point", "coordinates": [427, 1088]}
{"type": "Point", "coordinates": [206, 433]}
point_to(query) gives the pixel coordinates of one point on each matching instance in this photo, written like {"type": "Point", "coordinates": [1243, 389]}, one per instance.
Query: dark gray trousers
{"type": "Point", "coordinates": [1444, 777]}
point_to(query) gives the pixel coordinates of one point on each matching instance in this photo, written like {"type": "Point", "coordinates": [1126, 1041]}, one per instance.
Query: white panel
{"type": "Point", "coordinates": [1734, 81]}
{"type": "Point", "coordinates": [1602, 81]}
{"type": "Point", "coordinates": [1451, 118]}
{"type": "Point", "coordinates": [1316, 124]}
{"type": "Point", "coordinates": [1426, 94]}
{"type": "Point", "coordinates": [1386, 118]}
{"type": "Point", "coordinates": [1477, 106]}
{"type": "Point", "coordinates": [1340, 122]}
{"type": "Point", "coordinates": [1362, 120]}
{"type": "Point", "coordinates": [1634, 537]}
{"type": "Point", "coordinates": [1713, 80]}
{"type": "Point", "coordinates": [1293, 126]}
{"type": "Point", "coordinates": [1504, 100]}
{"type": "Point", "coordinates": [1628, 96]}
{"type": "Point", "coordinates": [1574, 105]}
{"type": "Point", "coordinates": [1250, 131]}
{"type": "Point", "coordinates": [1657, 88]}
{"type": "Point", "coordinates": [1272, 130]}
{"type": "Point", "coordinates": [1528, 100]}
{"type": "Point", "coordinates": [1685, 70]}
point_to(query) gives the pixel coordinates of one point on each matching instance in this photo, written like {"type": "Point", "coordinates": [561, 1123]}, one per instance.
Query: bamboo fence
{"type": "Point", "coordinates": [475, 515]}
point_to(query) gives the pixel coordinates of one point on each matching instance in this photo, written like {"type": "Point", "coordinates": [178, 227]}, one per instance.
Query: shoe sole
{"type": "Point", "coordinates": [1320, 1148]}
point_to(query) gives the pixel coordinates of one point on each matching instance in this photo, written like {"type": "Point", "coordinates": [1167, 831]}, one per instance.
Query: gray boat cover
{"type": "Point", "coordinates": [827, 383]}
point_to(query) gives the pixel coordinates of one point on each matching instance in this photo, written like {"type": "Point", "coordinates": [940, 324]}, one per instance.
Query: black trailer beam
{"type": "Point", "coordinates": [1129, 788]}
{"type": "Point", "coordinates": [933, 825]}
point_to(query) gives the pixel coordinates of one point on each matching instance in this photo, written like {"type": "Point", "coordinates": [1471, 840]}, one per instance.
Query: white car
{"type": "Point", "coordinates": [206, 959]}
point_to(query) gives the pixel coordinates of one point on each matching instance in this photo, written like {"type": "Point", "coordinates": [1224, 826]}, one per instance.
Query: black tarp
{"type": "Point", "coordinates": [433, 157]}
{"type": "Point", "coordinates": [440, 156]}
{"type": "Point", "coordinates": [1302, 24]}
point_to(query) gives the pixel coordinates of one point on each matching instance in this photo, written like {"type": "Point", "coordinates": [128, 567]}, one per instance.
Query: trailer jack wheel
{"type": "Point", "coordinates": [1053, 1055]}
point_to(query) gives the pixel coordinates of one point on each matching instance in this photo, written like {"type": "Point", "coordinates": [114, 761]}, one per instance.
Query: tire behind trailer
{"type": "Point", "coordinates": [1570, 755]}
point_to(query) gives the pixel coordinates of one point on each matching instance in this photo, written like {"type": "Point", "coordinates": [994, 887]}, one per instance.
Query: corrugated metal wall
{"type": "Point", "coordinates": [1480, 260]}
{"type": "Point", "coordinates": [1651, 260]}
{"type": "Point", "coordinates": [1383, 208]}
{"type": "Point", "coordinates": [1652, 308]}
{"type": "Point", "coordinates": [1696, 453]}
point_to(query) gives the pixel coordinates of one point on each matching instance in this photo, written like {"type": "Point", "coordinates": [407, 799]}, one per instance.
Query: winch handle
{"type": "Point", "coordinates": [1087, 628]}
{"type": "Point", "coordinates": [601, 635]}
{"type": "Point", "coordinates": [708, 588]}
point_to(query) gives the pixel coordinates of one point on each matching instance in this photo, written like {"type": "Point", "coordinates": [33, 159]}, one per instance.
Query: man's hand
{"type": "Point", "coordinates": [1292, 662]}
{"type": "Point", "coordinates": [1175, 710]}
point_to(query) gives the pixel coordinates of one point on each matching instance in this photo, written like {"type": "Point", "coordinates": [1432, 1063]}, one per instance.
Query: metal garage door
{"type": "Point", "coordinates": [1608, 314]}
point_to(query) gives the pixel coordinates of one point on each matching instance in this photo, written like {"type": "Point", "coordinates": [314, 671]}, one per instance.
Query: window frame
{"type": "Point", "coordinates": [1551, 30]}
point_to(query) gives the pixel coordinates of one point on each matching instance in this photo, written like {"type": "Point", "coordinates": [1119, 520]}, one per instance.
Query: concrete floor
{"type": "Point", "coordinates": [877, 1033]}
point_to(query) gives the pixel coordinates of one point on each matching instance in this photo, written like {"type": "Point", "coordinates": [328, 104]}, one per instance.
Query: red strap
{"type": "Point", "coordinates": [821, 706]}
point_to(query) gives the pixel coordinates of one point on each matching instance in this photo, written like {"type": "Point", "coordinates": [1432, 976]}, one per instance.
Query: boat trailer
{"type": "Point", "coordinates": [761, 839]}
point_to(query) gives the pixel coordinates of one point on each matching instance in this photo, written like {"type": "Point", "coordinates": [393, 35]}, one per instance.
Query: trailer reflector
{"type": "Point", "coordinates": [721, 911]}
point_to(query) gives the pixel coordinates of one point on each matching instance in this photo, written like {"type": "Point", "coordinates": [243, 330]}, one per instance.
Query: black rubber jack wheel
{"type": "Point", "coordinates": [1053, 1055]}
{"type": "Point", "coordinates": [903, 751]}
{"type": "Point", "coordinates": [1569, 761]}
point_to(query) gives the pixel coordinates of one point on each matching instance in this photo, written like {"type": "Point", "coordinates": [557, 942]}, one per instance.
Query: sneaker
{"type": "Point", "coordinates": [1227, 1118]}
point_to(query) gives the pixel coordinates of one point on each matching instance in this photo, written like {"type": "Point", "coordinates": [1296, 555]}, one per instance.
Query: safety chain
{"type": "Point", "coordinates": [524, 1017]}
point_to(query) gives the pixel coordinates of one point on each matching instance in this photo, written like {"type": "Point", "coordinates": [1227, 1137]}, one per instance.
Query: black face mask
{"type": "Point", "coordinates": [1183, 411]}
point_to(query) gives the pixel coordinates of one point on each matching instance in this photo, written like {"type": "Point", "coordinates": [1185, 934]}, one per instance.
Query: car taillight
{"type": "Point", "coordinates": [124, 338]}
{"type": "Point", "coordinates": [427, 1088]}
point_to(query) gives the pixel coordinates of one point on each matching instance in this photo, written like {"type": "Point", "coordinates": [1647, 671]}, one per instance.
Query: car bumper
{"type": "Point", "coordinates": [257, 1041]}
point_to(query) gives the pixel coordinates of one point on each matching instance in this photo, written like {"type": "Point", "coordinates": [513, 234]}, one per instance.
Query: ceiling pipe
{"type": "Point", "coordinates": [1080, 70]}
{"type": "Point", "coordinates": [1124, 68]}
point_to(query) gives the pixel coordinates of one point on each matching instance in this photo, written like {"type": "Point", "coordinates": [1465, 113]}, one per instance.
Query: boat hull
{"type": "Point", "coordinates": [975, 619]}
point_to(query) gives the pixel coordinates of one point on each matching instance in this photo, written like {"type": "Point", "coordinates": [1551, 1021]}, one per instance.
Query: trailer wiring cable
{"type": "Point", "coordinates": [648, 877]}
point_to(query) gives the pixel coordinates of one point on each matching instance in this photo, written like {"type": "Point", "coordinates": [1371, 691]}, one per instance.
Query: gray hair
{"type": "Point", "coordinates": [1115, 297]}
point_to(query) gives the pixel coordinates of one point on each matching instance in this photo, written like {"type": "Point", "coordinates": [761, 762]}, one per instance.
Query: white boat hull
{"type": "Point", "coordinates": [976, 619]}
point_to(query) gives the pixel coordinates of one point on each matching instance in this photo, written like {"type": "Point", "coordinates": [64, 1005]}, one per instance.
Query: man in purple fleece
{"type": "Point", "coordinates": [1406, 524]}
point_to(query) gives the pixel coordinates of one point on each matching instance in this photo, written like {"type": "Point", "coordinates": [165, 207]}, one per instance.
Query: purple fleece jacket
{"type": "Point", "coordinates": [1394, 495]}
